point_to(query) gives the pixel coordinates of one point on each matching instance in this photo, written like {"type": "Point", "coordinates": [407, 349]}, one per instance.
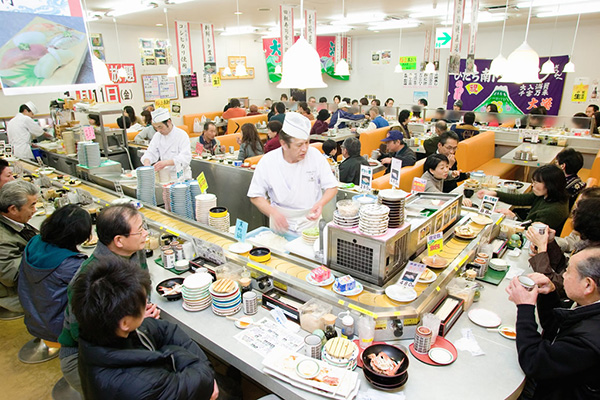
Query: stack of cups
{"type": "Point", "coordinates": [423, 340]}
{"type": "Point", "coordinates": [250, 302]}
{"type": "Point", "coordinates": [312, 346]}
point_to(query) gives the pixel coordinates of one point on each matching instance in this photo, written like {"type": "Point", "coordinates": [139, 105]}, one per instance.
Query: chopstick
{"type": "Point", "coordinates": [340, 384]}
{"type": "Point", "coordinates": [240, 320]}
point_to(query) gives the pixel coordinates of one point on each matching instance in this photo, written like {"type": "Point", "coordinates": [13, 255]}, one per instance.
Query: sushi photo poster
{"type": "Point", "coordinates": [44, 47]}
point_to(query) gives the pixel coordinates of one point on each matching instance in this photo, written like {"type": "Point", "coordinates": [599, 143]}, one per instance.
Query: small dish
{"type": "Point", "coordinates": [357, 290]}
{"type": "Point", "coordinates": [326, 282]}
{"type": "Point", "coordinates": [427, 276]}
{"type": "Point", "coordinates": [170, 289]}
{"type": "Point", "coordinates": [480, 219]}
{"type": "Point", "coordinates": [498, 264]}
{"type": "Point", "coordinates": [240, 248]}
{"type": "Point", "coordinates": [508, 332]}
{"type": "Point", "coordinates": [441, 356]}
{"type": "Point", "coordinates": [308, 368]}
{"type": "Point", "coordinates": [244, 322]}
{"type": "Point", "coordinates": [484, 318]}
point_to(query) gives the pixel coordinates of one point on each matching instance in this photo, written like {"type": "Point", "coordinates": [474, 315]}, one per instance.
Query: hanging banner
{"type": "Point", "coordinates": [310, 18]}
{"type": "Point", "coordinates": [472, 36]}
{"type": "Point", "coordinates": [184, 47]}
{"type": "Point", "coordinates": [286, 23]}
{"type": "Point", "coordinates": [426, 48]}
{"type": "Point", "coordinates": [208, 43]}
{"type": "Point", "coordinates": [325, 48]}
{"type": "Point", "coordinates": [457, 25]}
{"type": "Point", "coordinates": [338, 49]}
{"type": "Point", "coordinates": [477, 90]}
{"type": "Point", "coordinates": [349, 51]}
{"type": "Point", "coordinates": [45, 47]}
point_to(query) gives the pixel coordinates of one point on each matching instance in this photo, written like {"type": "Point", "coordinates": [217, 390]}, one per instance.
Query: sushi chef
{"type": "Point", "coordinates": [291, 184]}
{"type": "Point", "coordinates": [22, 128]}
{"type": "Point", "coordinates": [169, 151]}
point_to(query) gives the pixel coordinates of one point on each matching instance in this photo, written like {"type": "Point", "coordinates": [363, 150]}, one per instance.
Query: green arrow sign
{"type": "Point", "coordinates": [443, 36]}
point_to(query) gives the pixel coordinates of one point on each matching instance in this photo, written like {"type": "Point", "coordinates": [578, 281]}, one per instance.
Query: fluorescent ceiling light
{"type": "Point", "coordinates": [428, 12]}
{"type": "Point", "coordinates": [545, 3]}
{"type": "Point", "coordinates": [241, 30]}
{"type": "Point", "coordinates": [394, 24]}
{"type": "Point", "coordinates": [572, 9]}
{"type": "Point", "coordinates": [177, 1]}
{"type": "Point", "coordinates": [483, 17]}
{"type": "Point", "coordinates": [328, 29]}
{"type": "Point", "coordinates": [130, 9]}
{"type": "Point", "coordinates": [358, 18]}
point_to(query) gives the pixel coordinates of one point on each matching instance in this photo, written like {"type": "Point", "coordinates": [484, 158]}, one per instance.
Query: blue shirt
{"type": "Point", "coordinates": [380, 122]}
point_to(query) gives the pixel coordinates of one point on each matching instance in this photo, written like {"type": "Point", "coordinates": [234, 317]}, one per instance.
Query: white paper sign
{"type": "Point", "coordinates": [410, 275]}
{"type": "Point", "coordinates": [395, 172]}
{"type": "Point", "coordinates": [184, 44]}
{"type": "Point", "coordinates": [366, 177]}
{"type": "Point", "coordinates": [349, 51]}
{"type": "Point", "coordinates": [208, 43]}
{"type": "Point", "coordinates": [311, 27]}
{"type": "Point", "coordinates": [286, 23]}
{"type": "Point", "coordinates": [488, 205]}
{"type": "Point", "coordinates": [457, 24]}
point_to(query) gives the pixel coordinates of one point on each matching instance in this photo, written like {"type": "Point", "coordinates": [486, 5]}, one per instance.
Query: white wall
{"type": "Point", "coordinates": [366, 78]}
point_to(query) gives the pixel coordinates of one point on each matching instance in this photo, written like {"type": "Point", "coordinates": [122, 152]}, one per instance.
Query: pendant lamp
{"type": "Point", "coordinates": [499, 63]}
{"type": "Point", "coordinates": [278, 69]}
{"type": "Point", "coordinates": [100, 72]}
{"type": "Point", "coordinates": [570, 67]}
{"type": "Point", "coordinates": [121, 72]}
{"type": "Point", "coordinates": [301, 64]}
{"type": "Point", "coordinates": [398, 68]}
{"type": "Point", "coordinates": [548, 66]}
{"type": "Point", "coordinates": [430, 68]}
{"type": "Point", "coordinates": [240, 69]}
{"type": "Point", "coordinates": [342, 68]}
{"type": "Point", "coordinates": [171, 71]}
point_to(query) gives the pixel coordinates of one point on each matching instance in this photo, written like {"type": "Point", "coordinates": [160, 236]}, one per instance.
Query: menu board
{"type": "Point", "coordinates": [159, 86]}
{"type": "Point", "coordinates": [189, 85]}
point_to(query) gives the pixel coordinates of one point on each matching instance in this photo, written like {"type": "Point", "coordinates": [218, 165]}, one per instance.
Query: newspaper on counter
{"type": "Point", "coordinates": [266, 334]}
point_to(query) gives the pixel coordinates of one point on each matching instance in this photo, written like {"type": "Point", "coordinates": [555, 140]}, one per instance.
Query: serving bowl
{"type": "Point", "coordinates": [385, 381]}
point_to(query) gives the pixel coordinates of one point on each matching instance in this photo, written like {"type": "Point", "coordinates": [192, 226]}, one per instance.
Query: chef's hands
{"type": "Point", "coordinates": [519, 295]}
{"type": "Point", "coordinates": [279, 221]}
{"type": "Point", "coordinates": [160, 165]}
{"type": "Point", "coordinates": [315, 212]}
{"type": "Point", "coordinates": [543, 283]}
{"type": "Point", "coordinates": [152, 311]}
{"type": "Point", "coordinates": [538, 239]}
{"type": "Point", "coordinates": [484, 192]}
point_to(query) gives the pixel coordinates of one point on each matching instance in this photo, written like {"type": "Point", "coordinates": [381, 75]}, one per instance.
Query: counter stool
{"type": "Point", "coordinates": [63, 391]}
{"type": "Point", "coordinates": [37, 351]}
{"type": "Point", "coordinates": [7, 315]}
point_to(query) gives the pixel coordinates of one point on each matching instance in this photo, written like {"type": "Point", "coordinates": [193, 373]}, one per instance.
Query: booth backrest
{"type": "Point", "coordinates": [235, 124]}
{"type": "Point", "coordinates": [230, 140]}
{"type": "Point", "coordinates": [475, 151]}
{"type": "Point", "coordinates": [407, 174]}
{"type": "Point", "coordinates": [370, 141]}
{"type": "Point", "coordinates": [318, 146]}
{"type": "Point", "coordinates": [131, 136]}
{"type": "Point", "coordinates": [253, 160]}
{"type": "Point", "coordinates": [189, 119]}
{"type": "Point", "coordinates": [112, 125]}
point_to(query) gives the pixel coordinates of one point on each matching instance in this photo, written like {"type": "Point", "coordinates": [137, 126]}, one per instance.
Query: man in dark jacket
{"type": "Point", "coordinates": [564, 361]}
{"type": "Point", "coordinates": [350, 167]}
{"type": "Point", "coordinates": [396, 149]}
{"type": "Point", "coordinates": [125, 356]}
{"type": "Point", "coordinates": [447, 146]}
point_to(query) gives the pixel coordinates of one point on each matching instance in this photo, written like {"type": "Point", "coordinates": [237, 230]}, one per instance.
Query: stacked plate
{"type": "Point", "coordinates": [167, 196]}
{"type": "Point", "coordinates": [225, 303]}
{"type": "Point", "coordinates": [196, 296]}
{"type": "Point", "coordinates": [204, 202]}
{"type": "Point", "coordinates": [347, 363]}
{"type": "Point", "coordinates": [310, 236]}
{"type": "Point", "coordinates": [92, 154]}
{"type": "Point", "coordinates": [373, 219]}
{"type": "Point", "coordinates": [345, 222]}
{"type": "Point", "coordinates": [394, 200]}
{"type": "Point", "coordinates": [145, 185]}
{"type": "Point", "coordinates": [180, 200]}
{"type": "Point", "coordinates": [81, 158]}
{"type": "Point", "coordinates": [218, 218]}
{"type": "Point", "coordinates": [194, 191]}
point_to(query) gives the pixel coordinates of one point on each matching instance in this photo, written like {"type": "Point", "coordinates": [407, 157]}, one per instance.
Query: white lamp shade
{"type": "Point", "coordinates": [547, 68]}
{"type": "Point", "coordinates": [430, 68]}
{"type": "Point", "coordinates": [240, 70]}
{"type": "Point", "coordinates": [523, 66]}
{"type": "Point", "coordinates": [278, 69]}
{"type": "Point", "coordinates": [122, 73]}
{"type": "Point", "coordinates": [570, 67]}
{"type": "Point", "coordinates": [302, 67]}
{"type": "Point", "coordinates": [342, 68]}
{"type": "Point", "coordinates": [172, 72]}
{"type": "Point", "coordinates": [227, 71]}
{"type": "Point", "coordinates": [100, 72]}
{"type": "Point", "coordinates": [398, 69]}
{"type": "Point", "coordinates": [498, 65]}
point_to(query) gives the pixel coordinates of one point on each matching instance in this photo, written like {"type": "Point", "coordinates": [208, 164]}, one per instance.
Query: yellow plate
{"type": "Point", "coordinates": [367, 298]}
{"type": "Point", "coordinates": [302, 274]}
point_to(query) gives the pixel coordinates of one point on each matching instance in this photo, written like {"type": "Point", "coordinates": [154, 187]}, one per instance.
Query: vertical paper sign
{"type": "Point", "coordinates": [184, 47]}
{"type": "Point", "coordinates": [202, 182]}
{"type": "Point", "coordinates": [472, 36]}
{"type": "Point", "coordinates": [88, 133]}
{"type": "Point", "coordinates": [457, 26]}
{"type": "Point", "coordinates": [395, 172]}
{"type": "Point", "coordinates": [241, 228]}
{"type": "Point", "coordinates": [418, 185]}
{"type": "Point", "coordinates": [488, 205]}
{"type": "Point", "coordinates": [338, 49]}
{"type": "Point", "coordinates": [366, 177]}
{"type": "Point", "coordinates": [435, 243]}
{"type": "Point", "coordinates": [426, 49]}
{"type": "Point", "coordinates": [411, 274]}
{"type": "Point", "coordinates": [349, 51]}
{"type": "Point", "coordinates": [119, 189]}
{"type": "Point", "coordinates": [208, 43]}
{"type": "Point", "coordinates": [311, 27]}
{"type": "Point", "coordinates": [286, 22]}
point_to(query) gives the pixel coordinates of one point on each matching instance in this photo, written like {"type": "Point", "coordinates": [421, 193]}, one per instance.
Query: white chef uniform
{"type": "Point", "coordinates": [21, 129]}
{"type": "Point", "coordinates": [174, 146]}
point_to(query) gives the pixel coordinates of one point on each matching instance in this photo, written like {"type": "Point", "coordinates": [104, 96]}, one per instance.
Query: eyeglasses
{"type": "Point", "coordinates": [141, 232]}
{"type": "Point", "coordinates": [451, 148]}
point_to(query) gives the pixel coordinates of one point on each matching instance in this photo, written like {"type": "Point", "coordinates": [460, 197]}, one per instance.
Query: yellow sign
{"type": "Point", "coordinates": [202, 182]}
{"type": "Point", "coordinates": [163, 103]}
{"type": "Point", "coordinates": [579, 93]}
{"type": "Point", "coordinates": [216, 80]}
{"type": "Point", "coordinates": [474, 88]}
{"type": "Point", "coordinates": [435, 243]}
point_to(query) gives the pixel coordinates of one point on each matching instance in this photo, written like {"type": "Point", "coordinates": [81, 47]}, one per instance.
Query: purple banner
{"type": "Point", "coordinates": [480, 89]}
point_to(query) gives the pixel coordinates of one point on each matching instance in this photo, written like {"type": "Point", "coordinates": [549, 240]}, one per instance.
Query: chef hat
{"type": "Point", "coordinates": [160, 115]}
{"type": "Point", "coordinates": [296, 125]}
{"type": "Point", "coordinates": [32, 107]}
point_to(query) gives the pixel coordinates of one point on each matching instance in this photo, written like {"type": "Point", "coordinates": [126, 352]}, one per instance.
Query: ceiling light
{"type": "Point", "coordinates": [302, 67]}
{"type": "Point", "coordinates": [523, 66]}
{"type": "Point", "coordinates": [498, 65]}
{"type": "Point", "coordinates": [584, 8]}
{"type": "Point", "coordinates": [358, 18]}
{"type": "Point", "coordinates": [430, 68]}
{"type": "Point", "coordinates": [398, 69]}
{"type": "Point", "coordinates": [101, 75]}
{"type": "Point", "coordinates": [278, 69]}
{"type": "Point", "coordinates": [227, 71]}
{"type": "Point", "coordinates": [241, 30]}
{"type": "Point", "coordinates": [547, 68]}
{"type": "Point", "coordinates": [569, 67]}
{"type": "Point", "coordinates": [130, 9]}
{"type": "Point", "coordinates": [342, 68]}
{"type": "Point", "coordinates": [177, 1]}
{"type": "Point", "coordinates": [122, 73]}
{"type": "Point", "coordinates": [544, 3]}
{"type": "Point", "coordinates": [394, 24]}
{"type": "Point", "coordinates": [427, 12]}
{"type": "Point", "coordinates": [172, 72]}
{"type": "Point", "coordinates": [329, 29]}
{"type": "Point", "coordinates": [160, 24]}
{"type": "Point", "coordinates": [240, 70]}
{"type": "Point", "coordinates": [238, 13]}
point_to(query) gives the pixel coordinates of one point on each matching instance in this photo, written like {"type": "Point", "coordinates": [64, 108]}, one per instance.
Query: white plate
{"type": "Point", "coordinates": [484, 318]}
{"type": "Point", "coordinates": [358, 289]}
{"type": "Point", "coordinates": [440, 356]}
{"type": "Point", "coordinates": [240, 248]}
{"type": "Point", "coordinates": [401, 294]}
{"type": "Point", "coordinates": [497, 264]}
{"type": "Point", "coordinates": [433, 277]}
{"type": "Point", "coordinates": [308, 369]}
{"type": "Point", "coordinates": [326, 282]}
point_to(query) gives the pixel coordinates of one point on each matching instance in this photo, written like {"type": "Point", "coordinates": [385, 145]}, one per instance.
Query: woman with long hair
{"type": "Point", "coordinates": [250, 144]}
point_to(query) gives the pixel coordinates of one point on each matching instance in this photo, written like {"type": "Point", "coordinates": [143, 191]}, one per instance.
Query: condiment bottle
{"type": "Point", "coordinates": [330, 331]}
{"type": "Point", "coordinates": [348, 326]}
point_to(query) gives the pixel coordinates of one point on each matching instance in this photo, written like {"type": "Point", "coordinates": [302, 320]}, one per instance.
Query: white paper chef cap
{"type": "Point", "coordinates": [296, 125]}
{"type": "Point", "coordinates": [32, 107]}
{"type": "Point", "coordinates": [160, 115]}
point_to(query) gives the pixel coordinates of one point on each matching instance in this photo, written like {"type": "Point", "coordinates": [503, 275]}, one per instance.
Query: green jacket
{"type": "Point", "coordinates": [431, 145]}
{"type": "Point", "coordinates": [69, 336]}
{"type": "Point", "coordinates": [552, 213]}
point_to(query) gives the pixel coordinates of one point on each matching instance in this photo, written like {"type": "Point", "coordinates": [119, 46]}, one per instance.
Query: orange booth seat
{"type": "Point", "coordinates": [508, 124]}
{"type": "Point", "coordinates": [189, 119]}
{"type": "Point", "coordinates": [253, 160]}
{"type": "Point", "coordinates": [235, 124]}
{"type": "Point", "coordinates": [407, 174]}
{"type": "Point", "coordinates": [370, 141]}
{"type": "Point", "coordinates": [112, 125]}
{"type": "Point", "coordinates": [318, 146]}
{"type": "Point", "coordinates": [477, 153]}
{"type": "Point", "coordinates": [230, 140]}
{"type": "Point", "coordinates": [594, 172]}
{"type": "Point", "coordinates": [131, 136]}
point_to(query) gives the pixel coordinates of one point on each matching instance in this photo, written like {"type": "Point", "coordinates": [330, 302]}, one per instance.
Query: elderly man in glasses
{"type": "Point", "coordinates": [122, 233]}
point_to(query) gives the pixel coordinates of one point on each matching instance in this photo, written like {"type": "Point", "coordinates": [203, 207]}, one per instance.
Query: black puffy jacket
{"type": "Point", "coordinates": [158, 361]}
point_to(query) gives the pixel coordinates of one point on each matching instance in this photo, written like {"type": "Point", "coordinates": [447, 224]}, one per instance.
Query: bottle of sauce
{"type": "Point", "coordinates": [330, 331]}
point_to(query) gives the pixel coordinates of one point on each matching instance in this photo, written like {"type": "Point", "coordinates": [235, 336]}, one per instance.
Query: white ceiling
{"type": "Point", "coordinates": [265, 13]}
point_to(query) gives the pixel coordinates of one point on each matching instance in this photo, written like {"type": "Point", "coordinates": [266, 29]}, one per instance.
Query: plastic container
{"type": "Point", "coordinates": [463, 289]}
{"type": "Point", "coordinates": [311, 315]}
{"type": "Point", "coordinates": [366, 331]}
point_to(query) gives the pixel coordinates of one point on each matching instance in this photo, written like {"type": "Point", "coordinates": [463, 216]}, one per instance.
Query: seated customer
{"type": "Point", "coordinates": [492, 115]}
{"type": "Point", "coordinates": [234, 110]}
{"type": "Point", "coordinates": [341, 116]}
{"type": "Point", "coordinates": [467, 129]}
{"type": "Point", "coordinates": [562, 361]}
{"type": "Point", "coordinates": [122, 355]}
{"type": "Point", "coordinates": [330, 149]}
{"type": "Point", "coordinates": [147, 133]}
{"type": "Point", "coordinates": [49, 262]}
{"type": "Point", "coordinates": [273, 142]}
{"type": "Point", "coordinates": [250, 144]}
{"type": "Point", "coordinates": [403, 117]}
{"type": "Point", "coordinates": [431, 144]}
{"type": "Point", "coordinates": [567, 244]}
{"type": "Point", "coordinates": [321, 125]}
{"type": "Point", "coordinates": [436, 170]}
{"type": "Point", "coordinates": [350, 167]}
{"type": "Point", "coordinates": [279, 112]}
{"type": "Point", "coordinates": [377, 121]}
{"type": "Point", "coordinates": [209, 140]}
{"type": "Point", "coordinates": [6, 174]}
{"type": "Point", "coordinates": [396, 148]}
{"type": "Point", "coordinates": [304, 110]}
{"type": "Point", "coordinates": [548, 200]}
{"type": "Point", "coordinates": [253, 110]}
{"type": "Point", "coordinates": [571, 161]}
{"type": "Point", "coordinates": [439, 115]}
